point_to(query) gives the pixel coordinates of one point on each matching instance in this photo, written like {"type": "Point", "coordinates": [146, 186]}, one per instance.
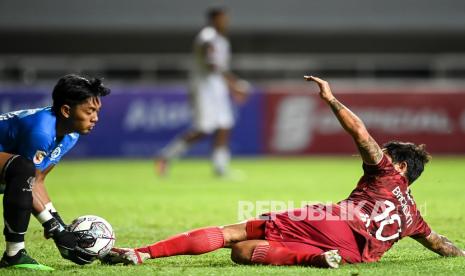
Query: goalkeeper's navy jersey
{"type": "Point", "coordinates": [31, 133]}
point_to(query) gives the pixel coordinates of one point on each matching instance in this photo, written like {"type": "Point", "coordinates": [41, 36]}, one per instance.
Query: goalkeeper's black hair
{"type": "Point", "coordinates": [415, 156]}
{"type": "Point", "coordinates": [73, 90]}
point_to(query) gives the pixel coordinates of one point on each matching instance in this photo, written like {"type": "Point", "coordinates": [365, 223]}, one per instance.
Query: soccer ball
{"type": "Point", "coordinates": [96, 235]}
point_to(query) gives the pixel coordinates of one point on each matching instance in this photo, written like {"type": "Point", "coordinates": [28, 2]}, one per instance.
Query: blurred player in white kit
{"type": "Point", "coordinates": [211, 83]}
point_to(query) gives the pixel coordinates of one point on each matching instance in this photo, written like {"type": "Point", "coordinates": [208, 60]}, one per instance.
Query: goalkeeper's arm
{"type": "Point", "coordinates": [43, 207]}
{"type": "Point", "coordinates": [54, 227]}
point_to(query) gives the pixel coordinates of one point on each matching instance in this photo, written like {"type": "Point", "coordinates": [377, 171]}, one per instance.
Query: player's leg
{"type": "Point", "coordinates": [224, 122]}
{"type": "Point", "coordinates": [324, 228]}
{"type": "Point", "coordinates": [204, 124]}
{"type": "Point", "coordinates": [194, 242]}
{"type": "Point", "coordinates": [177, 148]}
{"type": "Point", "coordinates": [197, 241]}
{"type": "Point", "coordinates": [276, 253]}
{"type": "Point", "coordinates": [221, 155]}
{"type": "Point", "coordinates": [18, 175]}
{"type": "Point", "coordinates": [179, 145]}
{"type": "Point", "coordinates": [256, 250]}
{"type": "Point", "coordinates": [336, 234]}
{"type": "Point", "coordinates": [242, 252]}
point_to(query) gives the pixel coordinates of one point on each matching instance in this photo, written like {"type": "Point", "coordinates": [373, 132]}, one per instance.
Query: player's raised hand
{"type": "Point", "coordinates": [325, 90]}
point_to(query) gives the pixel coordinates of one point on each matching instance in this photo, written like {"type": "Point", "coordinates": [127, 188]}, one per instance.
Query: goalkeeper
{"type": "Point", "coordinates": [32, 142]}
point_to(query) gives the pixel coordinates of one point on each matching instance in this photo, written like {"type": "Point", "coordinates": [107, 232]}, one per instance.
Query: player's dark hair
{"type": "Point", "coordinates": [73, 90]}
{"type": "Point", "coordinates": [415, 156]}
{"type": "Point", "coordinates": [213, 12]}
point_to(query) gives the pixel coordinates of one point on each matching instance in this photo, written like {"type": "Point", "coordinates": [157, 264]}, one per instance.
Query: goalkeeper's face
{"type": "Point", "coordinates": [84, 116]}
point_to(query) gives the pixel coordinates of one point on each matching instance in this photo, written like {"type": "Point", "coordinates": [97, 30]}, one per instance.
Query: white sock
{"type": "Point", "coordinates": [44, 216]}
{"type": "Point", "coordinates": [220, 158]}
{"type": "Point", "coordinates": [12, 248]}
{"type": "Point", "coordinates": [174, 149]}
{"type": "Point", "coordinates": [49, 206]}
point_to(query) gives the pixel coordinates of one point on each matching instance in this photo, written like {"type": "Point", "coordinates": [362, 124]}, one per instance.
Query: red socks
{"type": "Point", "coordinates": [194, 242]}
{"type": "Point", "coordinates": [277, 255]}
{"type": "Point", "coordinates": [208, 239]}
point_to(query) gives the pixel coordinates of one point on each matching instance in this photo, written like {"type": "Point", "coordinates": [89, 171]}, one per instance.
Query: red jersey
{"type": "Point", "coordinates": [385, 211]}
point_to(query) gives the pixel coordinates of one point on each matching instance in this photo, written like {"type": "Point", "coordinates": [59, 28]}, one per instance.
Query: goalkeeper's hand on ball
{"type": "Point", "coordinates": [67, 242]}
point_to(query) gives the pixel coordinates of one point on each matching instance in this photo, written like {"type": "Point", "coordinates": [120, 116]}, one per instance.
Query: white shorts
{"type": "Point", "coordinates": [212, 105]}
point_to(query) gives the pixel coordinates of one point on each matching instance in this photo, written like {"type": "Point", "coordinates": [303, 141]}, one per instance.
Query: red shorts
{"type": "Point", "coordinates": [310, 236]}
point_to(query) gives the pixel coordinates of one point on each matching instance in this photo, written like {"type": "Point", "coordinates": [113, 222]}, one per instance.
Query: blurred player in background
{"type": "Point", "coordinates": [32, 142]}
{"type": "Point", "coordinates": [211, 83]}
{"type": "Point", "coordinates": [379, 212]}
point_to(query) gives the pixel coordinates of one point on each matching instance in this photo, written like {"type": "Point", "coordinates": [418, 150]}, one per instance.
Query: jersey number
{"type": "Point", "coordinates": [385, 219]}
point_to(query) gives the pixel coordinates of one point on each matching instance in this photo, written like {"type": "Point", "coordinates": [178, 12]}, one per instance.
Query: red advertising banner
{"type": "Point", "coordinates": [297, 121]}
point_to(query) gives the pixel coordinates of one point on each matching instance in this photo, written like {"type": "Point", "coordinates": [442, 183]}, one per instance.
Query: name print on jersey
{"type": "Point", "coordinates": [404, 205]}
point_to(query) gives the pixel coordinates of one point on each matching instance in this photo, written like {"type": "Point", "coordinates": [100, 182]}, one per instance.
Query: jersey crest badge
{"type": "Point", "coordinates": [55, 153]}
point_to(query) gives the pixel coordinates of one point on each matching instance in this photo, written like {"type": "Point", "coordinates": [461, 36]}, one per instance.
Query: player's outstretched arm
{"type": "Point", "coordinates": [369, 150]}
{"type": "Point", "coordinates": [441, 245]}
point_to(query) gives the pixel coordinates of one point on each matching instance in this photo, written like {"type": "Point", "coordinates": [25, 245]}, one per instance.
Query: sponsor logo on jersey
{"type": "Point", "coordinates": [55, 153]}
{"type": "Point", "coordinates": [39, 157]}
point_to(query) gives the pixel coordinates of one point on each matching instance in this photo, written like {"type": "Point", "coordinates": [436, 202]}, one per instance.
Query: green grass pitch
{"type": "Point", "coordinates": [143, 208]}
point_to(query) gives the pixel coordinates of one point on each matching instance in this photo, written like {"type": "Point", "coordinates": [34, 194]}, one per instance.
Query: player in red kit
{"type": "Point", "coordinates": [379, 212]}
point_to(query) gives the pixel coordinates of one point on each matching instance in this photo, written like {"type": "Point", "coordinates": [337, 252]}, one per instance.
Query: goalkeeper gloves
{"type": "Point", "coordinates": [66, 242]}
{"type": "Point", "coordinates": [53, 224]}
{"type": "Point", "coordinates": [58, 218]}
